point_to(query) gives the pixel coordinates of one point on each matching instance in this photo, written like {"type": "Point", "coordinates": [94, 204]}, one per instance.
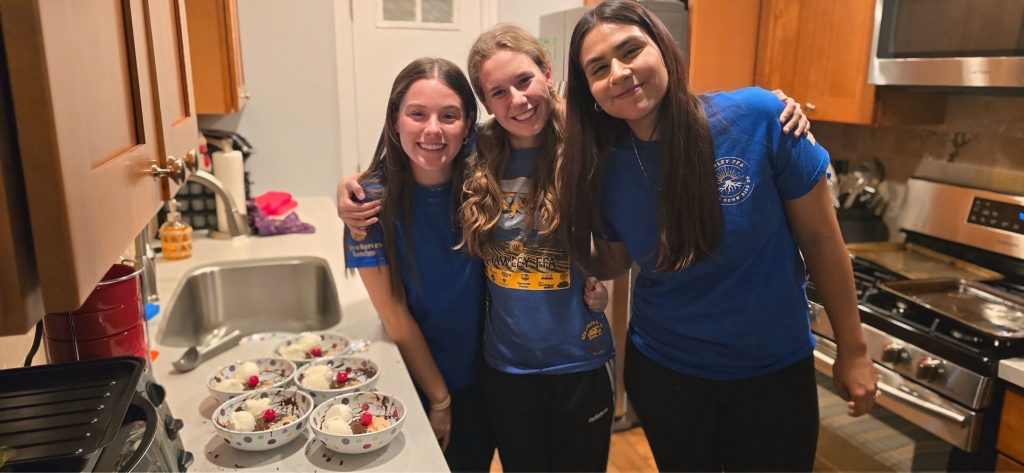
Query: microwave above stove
{"type": "Point", "coordinates": [948, 43]}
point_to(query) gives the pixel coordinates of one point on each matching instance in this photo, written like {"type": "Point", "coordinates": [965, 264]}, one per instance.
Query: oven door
{"type": "Point", "coordinates": [951, 422]}
{"type": "Point", "coordinates": [959, 43]}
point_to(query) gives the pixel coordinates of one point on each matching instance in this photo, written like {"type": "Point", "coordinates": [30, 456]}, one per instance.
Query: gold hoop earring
{"type": "Point", "coordinates": [597, 108]}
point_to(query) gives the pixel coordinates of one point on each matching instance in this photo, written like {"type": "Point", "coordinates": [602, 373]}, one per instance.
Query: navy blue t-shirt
{"type": "Point", "coordinates": [448, 300]}
{"type": "Point", "coordinates": [744, 313]}
{"type": "Point", "coordinates": [538, 321]}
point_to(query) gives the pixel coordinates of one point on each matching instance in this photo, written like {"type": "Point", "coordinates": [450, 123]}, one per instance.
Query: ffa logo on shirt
{"type": "Point", "coordinates": [592, 331]}
{"type": "Point", "coordinates": [734, 183]}
{"type": "Point", "coordinates": [357, 237]}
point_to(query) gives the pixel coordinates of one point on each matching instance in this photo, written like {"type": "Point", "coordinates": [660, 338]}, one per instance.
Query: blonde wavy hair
{"type": "Point", "coordinates": [483, 199]}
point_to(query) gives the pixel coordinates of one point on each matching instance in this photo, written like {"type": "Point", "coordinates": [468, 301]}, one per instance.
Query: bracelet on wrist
{"type": "Point", "coordinates": [443, 405]}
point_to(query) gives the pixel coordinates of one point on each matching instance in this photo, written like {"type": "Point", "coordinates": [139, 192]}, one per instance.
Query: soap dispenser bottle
{"type": "Point", "coordinates": [175, 235]}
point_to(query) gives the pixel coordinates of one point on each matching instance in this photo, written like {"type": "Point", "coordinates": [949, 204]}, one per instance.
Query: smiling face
{"type": "Point", "coordinates": [626, 74]}
{"type": "Point", "coordinates": [518, 94]}
{"type": "Point", "coordinates": [431, 125]}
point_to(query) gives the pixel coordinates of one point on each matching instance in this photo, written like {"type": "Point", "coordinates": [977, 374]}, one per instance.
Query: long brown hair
{"type": "Point", "coordinates": [483, 198]}
{"type": "Point", "coordinates": [689, 214]}
{"type": "Point", "coordinates": [389, 177]}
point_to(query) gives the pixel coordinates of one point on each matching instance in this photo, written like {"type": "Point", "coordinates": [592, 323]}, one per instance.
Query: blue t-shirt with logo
{"type": "Point", "coordinates": [744, 313]}
{"type": "Point", "coordinates": [537, 320]}
{"type": "Point", "coordinates": [447, 301]}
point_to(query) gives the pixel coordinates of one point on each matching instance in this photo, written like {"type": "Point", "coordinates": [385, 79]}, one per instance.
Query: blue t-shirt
{"type": "Point", "coordinates": [450, 307]}
{"type": "Point", "coordinates": [744, 313]}
{"type": "Point", "coordinates": [537, 321]}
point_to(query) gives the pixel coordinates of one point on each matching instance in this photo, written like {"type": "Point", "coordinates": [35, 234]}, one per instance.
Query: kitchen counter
{"type": "Point", "coordinates": [415, 449]}
{"type": "Point", "coordinates": [1012, 370]}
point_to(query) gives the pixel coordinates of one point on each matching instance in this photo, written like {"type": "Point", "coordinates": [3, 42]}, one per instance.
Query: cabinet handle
{"type": "Point", "coordinates": [175, 170]}
{"type": "Point", "coordinates": [246, 95]}
{"type": "Point", "coordinates": [190, 160]}
{"type": "Point", "coordinates": [809, 107]}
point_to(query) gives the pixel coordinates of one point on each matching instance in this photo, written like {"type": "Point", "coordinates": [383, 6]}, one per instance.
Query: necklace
{"type": "Point", "coordinates": [649, 181]}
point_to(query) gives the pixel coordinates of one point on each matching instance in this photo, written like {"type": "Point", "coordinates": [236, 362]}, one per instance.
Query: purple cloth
{"type": "Point", "coordinates": [267, 226]}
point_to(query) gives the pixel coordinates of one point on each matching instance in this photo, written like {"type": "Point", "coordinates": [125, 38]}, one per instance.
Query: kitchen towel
{"type": "Point", "coordinates": [229, 168]}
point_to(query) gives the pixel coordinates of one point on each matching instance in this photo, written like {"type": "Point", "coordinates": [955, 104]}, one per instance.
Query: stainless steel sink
{"type": "Point", "coordinates": [253, 296]}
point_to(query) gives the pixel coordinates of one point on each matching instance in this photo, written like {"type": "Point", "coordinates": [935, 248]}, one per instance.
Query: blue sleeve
{"type": "Point", "coordinates": [365, 251]}
{"type": "Point", "coordinates": [607, 231]}
{"type": "Point", "coordinates": [797, 163]}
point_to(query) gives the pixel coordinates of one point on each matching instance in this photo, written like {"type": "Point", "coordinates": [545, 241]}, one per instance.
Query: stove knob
{"type": "Point", "coordinates": [185, 460]}
{"type": "Point", "coordinates": [894, 353]}
{"type": "Point", "coordinates": [172, 426]}
{"type": "Point", "coordinates": [156, 393]}
{"type": "Point", "coordinates": [930, 369]}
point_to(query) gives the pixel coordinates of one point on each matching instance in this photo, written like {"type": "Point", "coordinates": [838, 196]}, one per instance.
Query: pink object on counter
{"type": "Point", "coordinates": [274, 203]}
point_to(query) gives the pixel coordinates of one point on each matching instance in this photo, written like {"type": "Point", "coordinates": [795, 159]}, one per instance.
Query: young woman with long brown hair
{"type": "Point", "coordinates": [430, 298]}
{"type": "Point", "coordinates": [716, 204]}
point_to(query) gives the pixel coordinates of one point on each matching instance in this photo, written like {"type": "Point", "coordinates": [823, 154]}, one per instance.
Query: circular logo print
{"type": "Point", "coordinates": [357, 237]}
{"type": "Point", "coordinates": [515, 247]}
{"type": "Point", "coordinates": [734, 183]}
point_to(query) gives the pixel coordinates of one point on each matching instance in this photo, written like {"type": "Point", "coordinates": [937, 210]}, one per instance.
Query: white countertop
{"type": "Point", "coordinates": [1012, 370]}
{"type": "Point", "coordinates": [415, 449]}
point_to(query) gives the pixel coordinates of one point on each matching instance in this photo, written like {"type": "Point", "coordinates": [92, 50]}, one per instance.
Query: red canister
{"type": "Point", "coordinates": [110, 322]}
{"type": "Point", "coordinates": [93, 325]}
{"type": "Point", "coordinates": [129, 343]}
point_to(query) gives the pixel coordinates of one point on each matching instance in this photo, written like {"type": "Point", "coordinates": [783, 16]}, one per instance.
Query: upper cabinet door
{"type": "Point", "coordinates": [216, 53]}
{"type": "Point", "coordinates": [81, 87]}
{"type": "Point", "coordinates": [817, 52]}
{"type": "Point", "coordinates": [172, 86]}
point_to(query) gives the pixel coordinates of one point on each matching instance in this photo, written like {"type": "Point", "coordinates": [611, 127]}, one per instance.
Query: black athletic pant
{"type": "Point", "coordinates": [765, 423]}
{"type": "Point", "coordinates": [471, 441]}
{"type": "Point", "coordinates": [551, 422]}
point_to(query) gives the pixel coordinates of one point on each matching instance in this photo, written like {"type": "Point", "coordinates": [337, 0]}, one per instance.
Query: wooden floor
{"type": "Point", "coordinates": [629, 452]}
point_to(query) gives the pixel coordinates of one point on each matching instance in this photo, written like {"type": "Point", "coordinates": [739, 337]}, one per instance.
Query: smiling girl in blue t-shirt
{"type": "Point", "coordinates": [716, 204]}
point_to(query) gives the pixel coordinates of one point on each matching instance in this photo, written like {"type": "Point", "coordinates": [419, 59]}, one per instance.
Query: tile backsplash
{"type": "Point", "coordinates": [982, 130]}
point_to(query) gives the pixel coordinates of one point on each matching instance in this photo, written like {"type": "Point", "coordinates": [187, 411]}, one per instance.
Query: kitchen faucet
{"type": "Point", "coordinates": [238, 226]}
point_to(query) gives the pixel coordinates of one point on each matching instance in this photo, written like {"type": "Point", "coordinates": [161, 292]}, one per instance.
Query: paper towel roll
{"type": "Point", "coordinates": [230, 169]}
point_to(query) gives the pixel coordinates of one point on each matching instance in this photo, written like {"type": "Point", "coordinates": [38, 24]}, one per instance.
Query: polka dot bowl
{"type": "Point", "coordinates": [361, 369]}
{"type": "Point", "coordinates": [331, 344]}
{"type": "Point", "coordinates": [277, 370]}
{"type": "Point", "coordinates": [378, 404]}
{"type": "Point", "coordinates": [284, 401]}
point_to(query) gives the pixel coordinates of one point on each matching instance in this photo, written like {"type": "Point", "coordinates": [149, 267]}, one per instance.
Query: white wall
{"type": "Point", "coordinates": [527, 13]}
{"type": "Point", "coordinates": [292, 118]}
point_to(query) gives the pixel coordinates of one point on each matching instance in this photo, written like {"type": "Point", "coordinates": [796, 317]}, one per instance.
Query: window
{"type": "Point", "coordinates": [422, 14]}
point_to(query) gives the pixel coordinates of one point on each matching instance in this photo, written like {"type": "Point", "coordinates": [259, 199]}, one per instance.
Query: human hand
{"type": "Point", "coordinates": [357, 216]}
{"type": "Point", "coordinates": [595, 294]}
{"type": "Point", "coordinates": [855, 379]}
{"type": "Point", "coordinates": [441, 423]}
{"type": "Point", "coordinates": [792, 116]}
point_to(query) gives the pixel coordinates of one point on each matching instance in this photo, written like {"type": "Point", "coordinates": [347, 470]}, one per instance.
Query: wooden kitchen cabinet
{"type": "Point", "coordinates": [722, 44]}
{"type": "Point", "coordinates": [1010, 441]}
{"type": "Point", "coordinates": [818, 51]}
{"type": "Point", "coordinates": [175, 110]}
{"type": "Point", "coordinates": [216, 56]}
{"type": "Point", "coordinates": [97, 100]}
{"type": "Point", "coordinates": [1006, 464]}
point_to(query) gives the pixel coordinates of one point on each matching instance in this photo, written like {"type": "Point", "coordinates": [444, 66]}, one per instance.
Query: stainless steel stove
{"type": "Point", "coordinates": [937, 354]}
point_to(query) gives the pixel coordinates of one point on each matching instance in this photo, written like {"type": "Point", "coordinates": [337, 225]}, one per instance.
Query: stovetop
{"type": "Point", "coordinates": [946, 337]}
